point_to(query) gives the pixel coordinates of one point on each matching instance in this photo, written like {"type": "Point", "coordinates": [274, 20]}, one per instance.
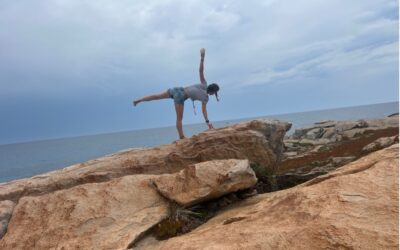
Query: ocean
{"type": "Point", "coordinates": [22, 160]}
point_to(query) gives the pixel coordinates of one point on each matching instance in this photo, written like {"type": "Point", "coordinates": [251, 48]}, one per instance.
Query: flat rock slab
{"type": "Point", "coordinates": [354, 207]}
{"type": "Point", "coordinates": [206, 180]}
{"type": "Point", "coordinates": [108, 215]}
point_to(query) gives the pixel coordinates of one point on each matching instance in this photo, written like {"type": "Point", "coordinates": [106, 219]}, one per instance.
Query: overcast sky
{"type": "Point", "coordinates": [73, 67]}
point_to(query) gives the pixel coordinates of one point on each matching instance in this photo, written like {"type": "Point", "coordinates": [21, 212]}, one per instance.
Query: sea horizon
{"type": "Point", "coordinates": [191, 124]}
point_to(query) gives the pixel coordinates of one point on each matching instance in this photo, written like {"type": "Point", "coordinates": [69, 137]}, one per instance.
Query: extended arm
{"type": "Point", "coordinates": [204, 109]}
{"type": "Point", "coordinates": [201, 68]}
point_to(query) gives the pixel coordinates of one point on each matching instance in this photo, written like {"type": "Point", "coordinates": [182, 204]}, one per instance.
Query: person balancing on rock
{"type": "Point", "coordinates": [198, 92]}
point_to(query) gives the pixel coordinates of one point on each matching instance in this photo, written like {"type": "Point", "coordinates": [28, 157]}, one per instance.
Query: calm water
{"type": "Point", "coordinates": [27, 159]}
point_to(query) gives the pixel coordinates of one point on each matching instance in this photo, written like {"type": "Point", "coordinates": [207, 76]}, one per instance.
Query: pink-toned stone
{"type": "Point", "coordinates": [108, 215]}
{"type": "Point", "coordinates": [354, 207]}
{"type": "Point", "coordinates": [206, 180]}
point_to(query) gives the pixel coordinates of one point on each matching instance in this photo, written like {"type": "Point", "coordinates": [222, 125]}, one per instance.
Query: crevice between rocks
{"type": "Point", "coordinates": [183, 219]}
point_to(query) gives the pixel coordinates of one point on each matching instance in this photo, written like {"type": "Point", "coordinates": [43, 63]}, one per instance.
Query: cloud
{"type": "Point", "coordinates": [328, 62]}
{"type": "Point", "coordinates": [374, 40]}
{"type": "Point", "coordinates": [71, 45]}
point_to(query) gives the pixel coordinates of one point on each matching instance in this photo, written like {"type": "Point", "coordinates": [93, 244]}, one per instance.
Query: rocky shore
{"type": "Point", "coordinates": [247, 186]}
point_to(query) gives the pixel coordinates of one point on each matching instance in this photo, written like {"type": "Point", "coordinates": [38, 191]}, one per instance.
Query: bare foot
{"type": "Point", "coordinates": [135, 102]}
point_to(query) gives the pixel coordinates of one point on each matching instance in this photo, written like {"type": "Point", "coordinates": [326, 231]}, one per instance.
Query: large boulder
{"type": "Point", "coordinates": [260, 141]}
{"type": "Point", "coordinates": [108, 215]}
{"type": "Point", "coordinates": [354, 207]}
{"type": "Point", "coordinates": [314, 133]}
{"type": "Point", "coordinates": [206, 180]}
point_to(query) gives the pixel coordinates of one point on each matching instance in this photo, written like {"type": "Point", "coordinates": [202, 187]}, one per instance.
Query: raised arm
{"type": "Point", "coordinates": [201, 69]}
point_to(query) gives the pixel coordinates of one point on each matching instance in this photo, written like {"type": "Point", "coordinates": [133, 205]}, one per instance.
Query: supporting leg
{"type": "Point", "coordinates": [159, 96]}
{"type": "Point", "coordinates": [179, 117]}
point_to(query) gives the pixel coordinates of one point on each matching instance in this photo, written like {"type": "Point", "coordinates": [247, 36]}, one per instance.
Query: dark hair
{"type": "Point", "coordinates": [213, 89]}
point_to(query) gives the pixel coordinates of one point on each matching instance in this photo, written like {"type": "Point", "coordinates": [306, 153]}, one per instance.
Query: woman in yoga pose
{"type": "Point", "coordinates": [199, 92]}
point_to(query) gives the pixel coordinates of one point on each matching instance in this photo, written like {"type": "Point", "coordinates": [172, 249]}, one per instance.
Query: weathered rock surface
{"type": "Point", "coordinates": [311, 150]}
{"type": "Point", "coordinates": [6, 208]}
{"type": "Point", "coordinates": [206, 180]}
{"type": "Point", "coordinates": [380, 143]}
{"type": "Point", "coordinates": [260, 141]}
{"type": "Point", "coordinates": [354, 207]}
{"type": "Point", "coordinates": [108, 215]}
{"type": "Point", "coordinates": [339, 130]}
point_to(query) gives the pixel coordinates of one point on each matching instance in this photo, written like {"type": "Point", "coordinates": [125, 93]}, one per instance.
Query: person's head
{"type": "Point", "coordinates": [213, 89]}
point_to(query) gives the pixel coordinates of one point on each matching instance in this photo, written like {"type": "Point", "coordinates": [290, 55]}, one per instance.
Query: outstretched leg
{"type": "Point", "coordinates": [179, 117]}
{"type": "Point", "coordinates": [159, 96]}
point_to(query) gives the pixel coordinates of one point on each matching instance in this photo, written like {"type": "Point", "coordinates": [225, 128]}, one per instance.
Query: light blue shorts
{"type": "Point", "coordinates": [178, 94]}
